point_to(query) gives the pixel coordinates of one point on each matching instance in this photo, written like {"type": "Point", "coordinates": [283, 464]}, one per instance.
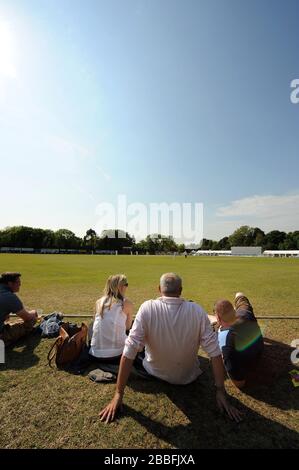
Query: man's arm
{"type": "Point", "coordinates": [222, 402]}
{"type": "Point", "coordinates": [27, 316]}
{"type": "Point", "coordinates": [107, 414]}
{"type": "Point", "coordinates": [209, 342]}
{"type": "Point", "coordinates": [218, 371]}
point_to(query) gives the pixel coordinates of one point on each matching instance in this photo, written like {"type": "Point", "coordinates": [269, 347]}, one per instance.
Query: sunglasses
{"type": "Point", "coordinates": [126, 284]}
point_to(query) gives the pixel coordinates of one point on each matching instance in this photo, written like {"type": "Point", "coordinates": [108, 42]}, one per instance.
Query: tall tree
{"type": "Point", "coordinates": [223, 244]}
{"type": "Point", "coordinates": [206, 244]}
{"type": "Point", "coordinates": [90, 240]}
{"type": "Point", "coordinates": [66, 239]}
{"type": "Point", "coordinates": [274, 240]}
{"type": "Point", "coordinates": [241, 236]}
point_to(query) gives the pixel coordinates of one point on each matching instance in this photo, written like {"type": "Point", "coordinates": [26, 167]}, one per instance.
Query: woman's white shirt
{"type": "Point", "coordinates": [109, 332]}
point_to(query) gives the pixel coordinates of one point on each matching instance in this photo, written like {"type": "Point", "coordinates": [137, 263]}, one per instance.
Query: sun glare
{"type": "Point", "coordinates": [7, 51]}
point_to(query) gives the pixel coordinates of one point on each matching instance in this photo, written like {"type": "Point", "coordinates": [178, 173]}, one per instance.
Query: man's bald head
{"type": "Point", "coordinates": [170, 285]}
{"type": "Point", "coordinates": [225, 311]}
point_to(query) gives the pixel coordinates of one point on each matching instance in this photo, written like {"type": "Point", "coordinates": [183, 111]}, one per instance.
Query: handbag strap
{"type": "Point", "coordinates": [53, 351]}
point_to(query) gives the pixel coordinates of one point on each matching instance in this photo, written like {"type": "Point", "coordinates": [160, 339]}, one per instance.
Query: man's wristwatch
{"type": "Point", "coordinates": [220, 388]}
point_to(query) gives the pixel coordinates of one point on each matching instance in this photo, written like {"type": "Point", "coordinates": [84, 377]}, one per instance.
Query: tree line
{"type": "Point", "coordinates": [64, 239]}
{"type": "Point", "coordinates": [121, 241]}
{"type": "Point", "coordinates": [254, 236]}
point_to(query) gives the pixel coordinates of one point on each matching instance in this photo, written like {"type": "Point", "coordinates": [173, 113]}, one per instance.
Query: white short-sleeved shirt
{"type": "Point", "coordinates": [171, 329]}
{"type": "Point", "coordinates": [109, 332]}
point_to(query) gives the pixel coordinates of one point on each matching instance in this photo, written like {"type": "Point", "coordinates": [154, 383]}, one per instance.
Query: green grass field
{"type": "Point", "coordinates": [41, 407]}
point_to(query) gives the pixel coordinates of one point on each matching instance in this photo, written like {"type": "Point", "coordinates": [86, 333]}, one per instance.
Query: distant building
{"type": "Point", "coordinates": [282, 253]}
{"type": "Point", "coordinates": [212, 253]}
{"type": "Point", "coordinates": [235, 251]}
{"type": "Point", "coordinates": [246, 251]}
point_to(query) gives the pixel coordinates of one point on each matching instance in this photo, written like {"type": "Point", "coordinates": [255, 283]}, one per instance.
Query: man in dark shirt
{"type": "Point", "coordinates": [10, 283]}
{"type": "Point", "coordinates": [239, 337]}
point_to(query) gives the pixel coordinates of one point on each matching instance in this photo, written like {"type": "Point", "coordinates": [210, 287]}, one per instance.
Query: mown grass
{"type": "Point", "coordinates": [47, 408]}
{"type": "Point", "coordinates": [72, 283]}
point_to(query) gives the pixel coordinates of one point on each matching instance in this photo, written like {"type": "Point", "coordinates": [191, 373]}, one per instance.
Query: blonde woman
{"type": "Point", "coordinates": [113, 318]}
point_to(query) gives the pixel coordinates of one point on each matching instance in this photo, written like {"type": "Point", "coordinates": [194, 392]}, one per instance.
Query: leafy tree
{"type": "Point", "coordinates": [141, 246]}
{"type": "Point", "coordinates": [258, 237]}
{"type": "Point", "coordinates": [291, 241]}
{"type": "Point", "coordinates": [206, 244]}
{"type": "Point", "coordinates": [48, 239]}
{"type": "Point", "coordinates": [241, 236]}
{"type": "Point", "coordinates": [157, 243]}
{"type": "Point", "coordinates": [274, 240]}
{"type": "Point", "coordinates": [181, 248]}
{"type": "Point", "coordinates": [223, 244]}
{"type": "Point", "coordinates": [90, 240]}
{"type": "Point", "coordinates": [66, 239]}
{"type": "Point", "coordinates": [22, 237]}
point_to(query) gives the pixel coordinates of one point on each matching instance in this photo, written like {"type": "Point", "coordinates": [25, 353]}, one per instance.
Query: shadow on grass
{"type": "Point", "coordinates": [207, 428]}
{"type": "Point", "coordinates": [24, 359]}
{"type": "Point", "coordinates": [271, 382]}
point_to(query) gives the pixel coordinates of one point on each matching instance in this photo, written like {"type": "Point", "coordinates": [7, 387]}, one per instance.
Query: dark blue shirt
{"type": "Point", "coordinates": [245, 314]}
{"type": "Point", "coordinates": [241, 345]}
{"type": "Point", "coordinates": [9, 303]}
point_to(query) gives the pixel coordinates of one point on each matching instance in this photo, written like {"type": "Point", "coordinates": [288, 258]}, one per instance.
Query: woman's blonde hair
{"type": "Point", "coordinates": [111, 293]}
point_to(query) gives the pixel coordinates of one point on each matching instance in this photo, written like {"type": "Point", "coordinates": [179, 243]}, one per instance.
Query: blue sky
{"type": "Point", "coordinates": [160, 100]}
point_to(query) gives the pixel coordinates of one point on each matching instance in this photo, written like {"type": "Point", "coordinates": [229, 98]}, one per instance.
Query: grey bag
{"type": "Point", "coordinates": [99, 376]}
{"type": "Point", "coordinates": [49, 327]}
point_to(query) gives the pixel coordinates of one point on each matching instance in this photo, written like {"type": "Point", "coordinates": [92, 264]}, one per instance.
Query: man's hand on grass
{"type": "Point", "coordinates": [108, 413]}
{"type": "Point", "coordinates": [224, 405]}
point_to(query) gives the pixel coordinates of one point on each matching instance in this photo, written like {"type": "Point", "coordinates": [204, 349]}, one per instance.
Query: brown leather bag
{"type": "Point", "coordinates": [68, 345]}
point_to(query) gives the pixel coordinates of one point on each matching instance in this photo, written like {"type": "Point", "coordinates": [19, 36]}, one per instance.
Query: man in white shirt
{"type": "Point", "coordinates": [171, 329]}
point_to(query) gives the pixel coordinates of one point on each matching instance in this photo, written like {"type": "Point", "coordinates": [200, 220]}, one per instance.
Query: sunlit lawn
{"type": "Point", "coordinates": [41, 407]}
